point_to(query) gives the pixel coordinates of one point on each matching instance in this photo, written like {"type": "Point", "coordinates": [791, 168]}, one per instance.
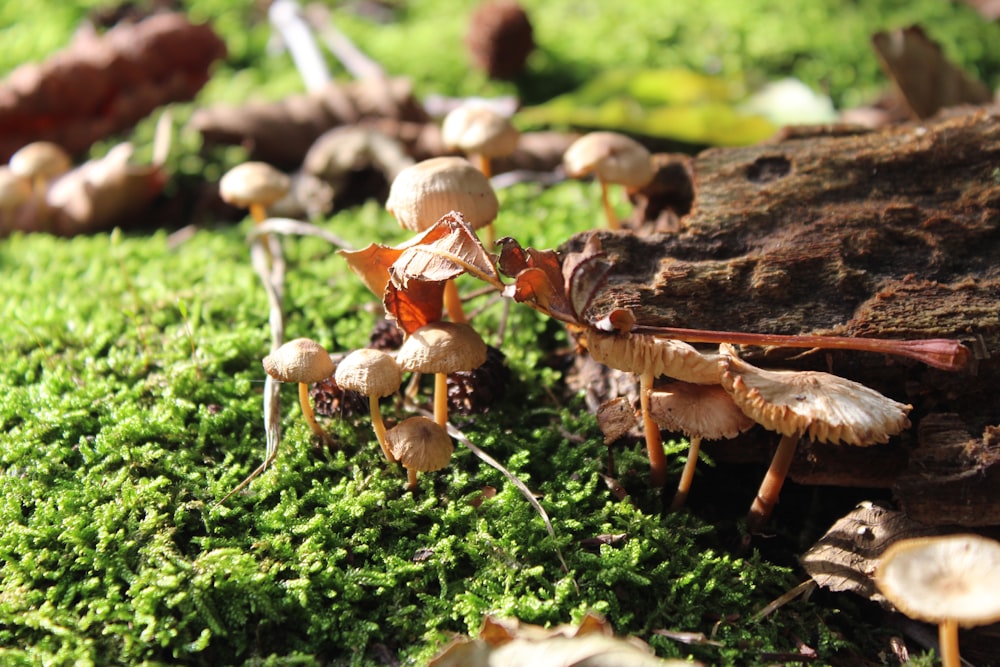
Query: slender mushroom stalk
{"type": "Point", "coordinates": [374, 374]}
{"type": "Point", "coordinates": [796, 404]}
{"type": "Point", "coordinates": [951, 580]}
{"type": "Point", "coordinates": [303, 361]}
{"type": "Point", "coordinates": [699, 411]}
{"type": "Point", "coordinates": [424, 192]}
{"type": "Point", "coordinates": [650, 358]}
{"type": "Point", "coordinates": [612, 158]}
{"type": "Point", "coordinates": [441, 348]}
{"type": "Point", "coordinates": [254, 186]}
{"type": "Point", "coordinates": [420, 445]}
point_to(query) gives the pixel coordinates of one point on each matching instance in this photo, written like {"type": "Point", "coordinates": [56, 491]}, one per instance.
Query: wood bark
{"type": "Point", "coordinates": [841, 231]}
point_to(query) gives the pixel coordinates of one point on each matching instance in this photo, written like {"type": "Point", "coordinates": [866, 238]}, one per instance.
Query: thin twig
{"type": "Point", "coordinates": [290, 226]}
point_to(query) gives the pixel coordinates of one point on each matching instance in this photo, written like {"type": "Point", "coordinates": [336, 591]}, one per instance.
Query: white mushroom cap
{"type": "Point", "coordinates": [442, 347]}
{"type": "Point", "coordinates": [40, 159]}
{"type": "Point", "coordinates": [253, 183]}
{"type": "Point", "coordinates": [420, 444]}
{"type": "Point", "coordinates": [661, 356]}
{"type": "Point", "coordinates": [370, 372]}
{"type": "Point", "coordinates": [826, 407]}
{"type": "Point", "coordinates": [301, 360]}
{"type": "Point", "coordinates": [951, 577]}
{"type": "Point", "coordinates": [611, 157]}
{"type": "Point", "coordinates": [479, 129]}
{"type": "Point", "coordinates": [422, 193]}
{"type": "Point", "coordinates": [703, 410]}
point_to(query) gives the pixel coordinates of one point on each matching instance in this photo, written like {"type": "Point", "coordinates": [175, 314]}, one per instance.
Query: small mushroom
{"type": "Point", "coordinates": [442, 348]}
{"type": "Point", "coordinates": [255, 186]}
{"type": "Point", "coordinates": [303, 361]}
{"type": "Point", "coordinates": [40, 162]}
{"type": "Point", "coordinates": [15, 191]}
{"type": "Point", "coordinates": [651, 357]}
{"type": "Point", "coordinates": [700, 411]}
{"type": "Point", "coordinates": [612, 158]}
{"type": "Point", "coordinates": [375, 374]}
{"type": "Point", "coordinates": [424, 192]}
{"type": "Point", "coordinates": [824, 407]}
{"type": "Point", "coordinates": [420, 445]}
{"type": "Point", "coordinates": [951, 580]}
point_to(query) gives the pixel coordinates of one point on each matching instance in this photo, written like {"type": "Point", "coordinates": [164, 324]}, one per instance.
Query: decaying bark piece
{"type": "Point", "coordinates": [102, 84]}
{"type": "Point", "coordinates": [890, 234]}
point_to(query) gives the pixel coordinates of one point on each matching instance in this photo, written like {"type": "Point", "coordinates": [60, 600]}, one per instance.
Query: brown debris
{"type": "Point", "coordinates": [103, 84]}
{"type": "Point", "coordinates": [500, 38]}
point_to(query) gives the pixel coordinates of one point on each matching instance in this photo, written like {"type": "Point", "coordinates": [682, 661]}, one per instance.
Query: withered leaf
{"type": "Point", "coordinates": [445, 250]}
{"type": "Point", "coordinates": [420, 303]}
{"type": "Point", "coordinates": [584, 273]}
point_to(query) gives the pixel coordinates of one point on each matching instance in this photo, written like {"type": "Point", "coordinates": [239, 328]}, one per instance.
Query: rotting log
{"type": "Point", "coordinates": [841, 231]}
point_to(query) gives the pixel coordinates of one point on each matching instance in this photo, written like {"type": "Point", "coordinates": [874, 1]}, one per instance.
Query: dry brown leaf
{"type": "Point", "coordinates": [446, 250]}
{"type": "Point", "coordinates": [102, 84]}
{"type": "Point", "coordinates": [926, 79]}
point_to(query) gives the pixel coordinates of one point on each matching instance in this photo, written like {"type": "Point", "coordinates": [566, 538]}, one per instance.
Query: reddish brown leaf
{"type": "Point", "coordinates": [446, 250]}
{"type": "Point", "coordinates": [421, 303]}
{"type": "Point", "coordinates": [371, 264]}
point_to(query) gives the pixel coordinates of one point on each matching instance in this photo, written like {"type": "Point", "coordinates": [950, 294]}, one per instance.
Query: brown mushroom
{"type": "Point", "coordinates": [951, 580]}
{"type": "Point", "coordinates": [303, 361]}
{"type": "Point", "coordinates": [420, 445]}
{"type": "Point", "coordinates": [424, 192]}
{"type": "Point", "coordinates": [612, 158]}
{"type": "Point", "coordinates": [40, 162]}
{"type": "Point", "coordinates": [700, 411]}
{"type": "Point", "coordinates": [255, 186]}
{"type": "Point", "coordinates": [375, 374]}
{"type": "Point", "coordinates": [651, 357]}
{"type": "Point", "coordinates": [442, 348]}
{"type": "Point", "coordinates": [824, 407]}
{"type": "Point", "coordinates": [15, 191]}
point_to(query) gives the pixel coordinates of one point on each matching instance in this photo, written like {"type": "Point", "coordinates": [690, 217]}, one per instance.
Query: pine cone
{"type": "Point", "coordinates": [330, 400]}
{"type": "Point", "coordinates": [475, 391]}
{"type": "Point", "coordinates": [500, 38]}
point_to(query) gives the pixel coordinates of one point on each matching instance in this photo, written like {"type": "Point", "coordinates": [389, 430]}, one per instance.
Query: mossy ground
{"type": "Point", "coordinates": [131, 403]}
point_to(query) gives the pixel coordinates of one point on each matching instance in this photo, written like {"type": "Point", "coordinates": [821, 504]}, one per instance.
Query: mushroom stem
{"type": "Point", "coordinates": [453, 303]}
{"type": "Point", "coordinates": [770, 488]}
{"type": "Point", "coordinates": [687, 476]}
{"type": "Point", "coordinates": [379, 427]}
{"type": "Point", "coordinates": [259, 214]}
{"type": "Point", "coordinates": [411, 479]}
{"type": "Point", "coordinates": [441, 399]}
{"type": "Point", "coordinates": [948, 643]}
{"type": "Point", "coordinates": [609, 210]}
{"type": "Point", "coordinates": [308, 413]}
{"type": "Point", "coordinates": [654, 441]}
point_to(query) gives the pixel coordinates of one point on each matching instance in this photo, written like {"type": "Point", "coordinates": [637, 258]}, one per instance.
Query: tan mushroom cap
{"type": "Point", "coordinates": [442, 347]}
{"type": "Point", "coordinates": [480, 130]}
{"type": "Point", "coordinates": [40, 159]}
{"type": "Point", "coordinates": [662, 356]}
{"type": "Point", "coordinates": [703, 410]}
{"type": "Point", "coordinates": [253, 183]}
{"type": "Point", "coordinates": [301, 360]}
{"type": "Point", "coordinates": [14, 189]}
{"type": "Point", "coordinates": [825, 407]}
{"type": "Point", "coordinates": [422, 193]}
{"type": "Point", "coordinates": [420, 444]}
{"type": "Point", "coordinates": [611, 157]}
{"type": "Point", "coordinates": [943, 578]}
{"type": "Point", "coordinates": [370, 372]}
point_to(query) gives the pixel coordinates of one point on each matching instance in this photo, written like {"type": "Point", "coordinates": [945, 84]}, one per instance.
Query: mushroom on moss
{"type": "Point", "coordinates": [651, 357]}
{"type": "Point", "coordinates": [614, 159]}
{"type": "Point", "coordinates": [15, 191]}
{"type": "Point", "coordinates": [40, 162]}
{"type": "Point", "coordinates": [254, 186]}
{"type": "Point", "coordinates": [481, 133]}
{"type": "Point", "coordinates": [795, 404]}
{"type": "Point", "coordinates": [375, 374]}
{"type": "Point", "coordinates": [700, 411]}
{"type": "Point", "coordinates": [950, 580]}
{"type": "Point", "coordinates": [424, 192]}
{"type": "Point", "coordinates": [420, 445]}
{"type": "Point", "coordinates": [303, 361]}
{"type": "Point", "coordinates": [441, 348]}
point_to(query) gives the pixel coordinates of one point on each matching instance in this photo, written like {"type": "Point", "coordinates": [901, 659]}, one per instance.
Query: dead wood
{"type": "Point", "coordinates": [890, 234]}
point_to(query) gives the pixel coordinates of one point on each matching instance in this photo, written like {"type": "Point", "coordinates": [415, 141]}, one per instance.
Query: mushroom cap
{"type": "Point", "coordinates": [704, 410]}
{"type": "Point", "coordinates": [442, 347]}
{"type": "Point", "coordinates": [420, 444]}
{"type": "Point", "coordinates": [14, 189]}
{"type": "Point", "coordinates": [612, 157]}
{"type": "Point", "coordinates": [663, 356]}
{"type": "Point", "coordinates": [826, 407]}
{"type": "Point", "coordinates": [253, 183]}
{"type": "Point", "coordinates": [40, 159]}
{"type": "Point", "coordinates": [476, 128]}
{"type": "Point", "coordinates": [301, 360]}
{"type": "Point", "coordinates": [370, 372]}
{"type": "Point", "coordinates": [427, 190]}
{"type": "Point", "coordinates": [947, 577]}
